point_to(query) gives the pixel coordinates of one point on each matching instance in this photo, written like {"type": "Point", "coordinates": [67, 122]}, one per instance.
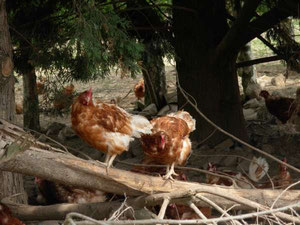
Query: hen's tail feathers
{"type": "Point", "coordinates": [258, 168]}
{"type": "Point", "coordinates": [191, 122]}
{"type": "Point", "coordinates": [140, 125]}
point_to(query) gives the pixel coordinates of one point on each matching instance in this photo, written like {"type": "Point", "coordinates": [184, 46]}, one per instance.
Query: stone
{"type": "Point", "coordinates": [149, 111]}
{"type": "Point", "coordinates": [253, 103]}
{"type": "Point", "coordinates": [54, 128]}
{"type": "Point", "coordinates": [224, 145]}
{"type": "Point", "coordinates": [250, 114]}
{"type": "Point", "coordinates": [279, 80]}
{"type": "Point", "coordinates": [168, 109]}
{"type": "Point", "coordinates": [252, 91]}
{"type": "Point", "coordinates": [66, 133]}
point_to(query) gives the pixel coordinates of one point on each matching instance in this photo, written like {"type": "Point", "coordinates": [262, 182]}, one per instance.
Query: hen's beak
{"type": "Point", "coordinates": [90, 93]}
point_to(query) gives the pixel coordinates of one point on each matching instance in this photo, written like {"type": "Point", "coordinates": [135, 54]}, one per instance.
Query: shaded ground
{"type": "Point", "coordinates": [267, 137]}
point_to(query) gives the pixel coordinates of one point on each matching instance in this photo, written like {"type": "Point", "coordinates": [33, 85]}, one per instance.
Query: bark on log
{"type": "Point", "coordinates": [41, 160]}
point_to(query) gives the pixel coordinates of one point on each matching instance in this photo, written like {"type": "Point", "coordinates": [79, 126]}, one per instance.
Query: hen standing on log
{"type": "Point", "coordinates": [106, 127]}
{"type": "Point", "coordinates": [169, 142]}
{"type": "Point", "coordinates": [280, 107]}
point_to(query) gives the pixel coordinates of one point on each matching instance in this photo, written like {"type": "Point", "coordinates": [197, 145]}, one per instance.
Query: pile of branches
{"type": "Point", "coordinates": [22, 153]}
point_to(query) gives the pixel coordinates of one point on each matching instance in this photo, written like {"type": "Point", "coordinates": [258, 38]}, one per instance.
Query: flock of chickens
{"type": "Point", "coordinates": [110, 129]}
{"type": "Point", "coordinates": [164, 140]}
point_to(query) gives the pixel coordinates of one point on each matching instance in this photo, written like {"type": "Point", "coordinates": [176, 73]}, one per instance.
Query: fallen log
{"type": "Point", "coordinates": [21, 153]}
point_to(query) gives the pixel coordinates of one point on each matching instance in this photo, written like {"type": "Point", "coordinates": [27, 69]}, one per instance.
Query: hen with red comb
{"type": "Point", "coordinates": [106, 127]}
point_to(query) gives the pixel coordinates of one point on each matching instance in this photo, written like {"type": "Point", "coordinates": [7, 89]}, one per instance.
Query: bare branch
{"type": "Point", "coordinates": [159, 221]}
{"type": "Point", "coordinates": [163, 208]}
{"type": "Point", "coordinates": [258, 61]}
{"type": "Point", "coordinates": [239, 26]}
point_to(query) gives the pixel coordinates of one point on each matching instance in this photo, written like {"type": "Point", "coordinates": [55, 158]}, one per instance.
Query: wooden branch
{"type": "Point", "coordinates": [231, 43]}
{"type": "Point", "coordinates": [257, 61]}
{"type": "Point", "coordinates": [263, 23]}
{"type": "Point", "coordinates": [53, 164]}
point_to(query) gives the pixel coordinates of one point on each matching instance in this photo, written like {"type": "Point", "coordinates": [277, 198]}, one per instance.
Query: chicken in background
{"type": "Point", "coordinates": [280, 107]}
{"type": "Point", "coordinates": [19, 108]}
{"type": "Point", "coordinates": [139, 89]}
{"type": "Point", "coordinates": [55, 193]}
{"type": "Point", "coordinates": [40, 85]}
{"type": "Point", "coordinates": [257, 170]}
{"type": "Point", "coordinates": [169, 142]}
{"type": "Point", "coordinates": [106, 127]}
{"type": "Point", "coordinates": [282, 180]}
{"type": "Point", "coordinates": [64, 98]}
{"type": "Point", "coordinates": [6, 217]}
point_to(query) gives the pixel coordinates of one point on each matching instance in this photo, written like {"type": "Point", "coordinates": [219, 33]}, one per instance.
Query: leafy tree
{"type": "Point", "coordinates": [80, 41]}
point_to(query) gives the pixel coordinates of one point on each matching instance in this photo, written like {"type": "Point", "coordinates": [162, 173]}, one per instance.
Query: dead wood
{"type": "Point", "coordinates": [37, 159]}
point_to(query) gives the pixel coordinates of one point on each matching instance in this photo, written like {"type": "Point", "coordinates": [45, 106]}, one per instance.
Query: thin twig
{"type": "Point", "coordinates": [278, 197]}
{"type": "Point", "coordinates": [197, 211]}
{"type": "Point", "coordinates": [156, 221]}
{"type": "Point", "coordinates": [208, 201]}
{"type": "Point", "coordinates": [163, 208]}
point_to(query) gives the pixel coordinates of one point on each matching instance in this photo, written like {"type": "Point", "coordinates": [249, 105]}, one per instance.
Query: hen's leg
{"type": "Point", "coordinates": [170, 172]}
{"type": "Point", "coordinates": [112, 158]}
{"type": "Point", "coordinates": [107, 157]}
{"type": "Point", "coordinates": [109, 160]}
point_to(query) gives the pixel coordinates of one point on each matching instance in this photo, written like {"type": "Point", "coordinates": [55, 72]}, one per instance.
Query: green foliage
{"type": "Point", "coordinates": [82, 42]}
{"type": "Point", "coordinates": [102, 43]}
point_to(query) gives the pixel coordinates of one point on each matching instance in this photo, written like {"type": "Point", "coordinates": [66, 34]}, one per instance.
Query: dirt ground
{"type": "Point", "coordinates": [265, 136]}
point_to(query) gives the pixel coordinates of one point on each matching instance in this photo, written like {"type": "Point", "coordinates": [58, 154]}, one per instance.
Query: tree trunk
{"type": "Point", "coordinates": [154, 75]}
{"type": "Point", "coordinates": [11, 183]}
{"type": "Point", "coordinates": [31, 102]}
{"type": "Point", "coordinates": [212, 83]}
{"type": "Point", "coordinates": [152, 59]}
{"type": "Point", "coordinates": [248, 74]}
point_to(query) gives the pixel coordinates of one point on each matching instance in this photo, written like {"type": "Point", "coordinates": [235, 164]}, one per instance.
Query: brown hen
{"type": "Point", "coordinates": [54, 193]}
{"type": "Point", "coordinates": [257, 170]}
{"type": "Point", "coordinates": [280, 107]}
{"type": "Point", "coordinates": [169, 142]}
{"type": "Point", "coordinates": [106, 127]}
{"type": "Point", "coordinates": [282, 180]}
{"type": "Point", "coordinates": [139, 89]}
